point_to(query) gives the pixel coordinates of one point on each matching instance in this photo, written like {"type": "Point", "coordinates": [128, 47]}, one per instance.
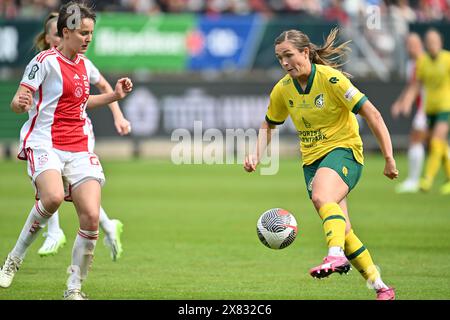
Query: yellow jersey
{"type": "Point", "coordinates": [323, 113]}
{"type": "Point", "coordinates": [434, 74]}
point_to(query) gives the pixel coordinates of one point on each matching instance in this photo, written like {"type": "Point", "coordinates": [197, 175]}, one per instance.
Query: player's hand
{"type": "Point", "coordinates": [123, 126]}
{"type": "Point", "coordinates": [390, 169]}
{"type": "Point", "coordinates": [396, 109]}
{"type": "Point", "coordinates": [25, 101]}
{"type": "Point", "coordinates": [250, 163]}
{"type": "Point", "coordinates": [123, 87]}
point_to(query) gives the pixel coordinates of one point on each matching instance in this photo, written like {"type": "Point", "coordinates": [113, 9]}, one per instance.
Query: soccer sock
{"type": "Point", "coordinates": [82, 256]}
{"type": "Point", "coordinates": [437, 149]}
{"type": "Point", "coordinates": [447, 161]}
{"type": "Point", "coordinates": [333, 224]}
{"type": "Point", "coordinates": [360, 258]}
{"type": "Point", "coordinates": [416, 155]}
{"type": "Point", "coordinates": [105, 222]}
{"type": "Point", "coordinates": [53, 223]}
{"type": "Point", "coordinates": [36, 220]}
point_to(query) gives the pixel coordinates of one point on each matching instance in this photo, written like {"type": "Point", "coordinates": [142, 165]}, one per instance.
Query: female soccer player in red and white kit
{"type": "Point", "coordinates": [112, 228]}
{"type": "Point", "coordinates": [55, 92]}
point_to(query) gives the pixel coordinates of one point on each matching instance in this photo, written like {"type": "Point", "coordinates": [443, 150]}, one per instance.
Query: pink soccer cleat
{"type": "Point", "coordinates": [330, 265]}
{"type": "Point", "coordinates": [386, 294]}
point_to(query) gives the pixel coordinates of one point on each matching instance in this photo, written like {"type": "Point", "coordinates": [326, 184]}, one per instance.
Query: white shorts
{"type": "Point", "coordinates": [75, 167]}
{"type": "Point", "coordinates": [420, 120]}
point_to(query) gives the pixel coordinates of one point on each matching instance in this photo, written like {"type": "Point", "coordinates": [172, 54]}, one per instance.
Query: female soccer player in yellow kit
{"type": "Point", "coordinates": [433, 72]}
{"type": "Point", "coordinates": [322, 103]}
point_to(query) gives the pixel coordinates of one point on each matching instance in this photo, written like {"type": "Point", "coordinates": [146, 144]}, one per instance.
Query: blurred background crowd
{"type": "Point", "coordinates": [343, 10]}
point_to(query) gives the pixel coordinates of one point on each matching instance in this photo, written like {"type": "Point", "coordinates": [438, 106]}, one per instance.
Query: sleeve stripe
{"type": "Point", "coordinates": [359, 104]}
{"type": "Point", "coordinates": [28, 86]}
{"type": "Point", "coordinates": [273, 122]}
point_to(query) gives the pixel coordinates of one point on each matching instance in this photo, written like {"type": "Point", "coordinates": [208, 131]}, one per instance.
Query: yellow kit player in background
{"type": "Point", "coordinates": [322, 103]}
{"type": "Point", "coordinates": [433, 73]}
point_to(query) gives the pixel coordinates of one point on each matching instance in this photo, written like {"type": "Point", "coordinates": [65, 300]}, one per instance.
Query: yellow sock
{"type": "Point", "coordinates": [447, 161]}
{"type": "Point", "coordinates": [333, 224]}
{"type": "Point", "coordinates": [360, 257]}
{"type": "Point", "coordinates": [437, 150]}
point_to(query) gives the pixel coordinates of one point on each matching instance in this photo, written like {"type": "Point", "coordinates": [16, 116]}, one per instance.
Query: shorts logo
{"type": "Point", "coordinates": [78, 92]}
{"type": "Point", "coordinates": [345, 171]}
{"type": "Point", "coordinates": [319, 101]}
{"type": "Point", "coordinates": [33, 71]}
{"type": "Point", "coordinates": [43, 159]}
{"type": "Point", "coordinates": [310, 184]}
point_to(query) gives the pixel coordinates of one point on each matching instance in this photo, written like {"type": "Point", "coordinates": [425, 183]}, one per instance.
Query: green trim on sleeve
{"type": "Point", "coordinates": [273, 122]}
{"type": "Point", "coordinates": [359, 104]}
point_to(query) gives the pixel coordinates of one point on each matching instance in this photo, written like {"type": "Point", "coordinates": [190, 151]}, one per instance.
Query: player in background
{"type": "Point", "coordinates": [55, 237]}
{"type": "Point", "coordinates": [55, 92]}
{"type": "Point", "coordinates": [433, 74]}
{"type": "Point", "coordinates": [418, 134]}
{"type": "Point", "coordinates": [322, 103]}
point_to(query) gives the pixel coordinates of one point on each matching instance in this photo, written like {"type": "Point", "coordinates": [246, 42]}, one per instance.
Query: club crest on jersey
{"type": "Point", "coordinates": [291, 103]}
{"type": "Point", "coordinates": [78, 92]}
{"type": "Point", "coordinates": [319, 101]}
{"type": "Point", "coordinates": [33, 71]}
{"type": "Point", "coordinates": [43, 159]}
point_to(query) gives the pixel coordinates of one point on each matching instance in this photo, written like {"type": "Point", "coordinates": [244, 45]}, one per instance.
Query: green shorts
{"type": "Point", "coordinates": [438, 117]}
{"type": "Point", "coordinates": [340, 160]}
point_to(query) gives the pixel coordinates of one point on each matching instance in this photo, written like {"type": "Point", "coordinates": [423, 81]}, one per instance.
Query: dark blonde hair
{"type": "Point", "coordinates": [65, 12]}
{"type": "Point", "coordinates": [39, 42]}
{"type": "Point", "coordinates": [328, 54]}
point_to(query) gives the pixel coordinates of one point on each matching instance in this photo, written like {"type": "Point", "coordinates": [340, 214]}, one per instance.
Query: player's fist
{"type": "Point", "coordinates": [123, 87]}
{"type": "Point", "coordinates": [250, 163]}
{"type": "Point", "coordinates": [390, 169]}
{"type": "Point", "coordinates": [22, 102]}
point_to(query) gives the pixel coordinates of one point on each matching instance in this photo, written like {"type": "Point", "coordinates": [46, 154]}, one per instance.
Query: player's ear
{"type": "Point", "coordinates": [306, 51]}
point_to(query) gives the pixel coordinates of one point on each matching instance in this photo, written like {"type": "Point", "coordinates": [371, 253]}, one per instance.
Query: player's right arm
{"type": "Point", "coordinates": [22, 101]}
{"type": "Point", "coordinates": [34, 75]}
{"type": "Point", "coordinates": [276, 115]}
{"type": "Point", "coordinates": [264, 136]}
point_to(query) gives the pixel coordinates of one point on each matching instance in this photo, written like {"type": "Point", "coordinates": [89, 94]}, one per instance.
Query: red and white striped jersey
{"type": "Point", "coordinates": [61, 91]}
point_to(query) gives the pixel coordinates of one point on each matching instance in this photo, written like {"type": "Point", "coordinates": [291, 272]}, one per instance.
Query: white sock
{"type": "Point", "coordinates": [53, 224]}
{"type": "Point", "coordinates": [105, 223]}
{"type": "Point", "coordinates": [336, 251]}
{"type": "Point", "coordinates": [82, 255]}
{"type": "Point", "coordinates": [36, 220]}
{"type": "Point", "coordinates": [416, 155]}
{"type": "Point", "coordinates": [379, 284]}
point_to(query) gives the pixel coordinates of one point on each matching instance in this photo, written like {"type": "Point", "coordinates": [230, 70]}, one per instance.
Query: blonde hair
{"type": "Point", "coordinates": [40, 43]}
{"type": "Point", "coordinates": [328, 54]}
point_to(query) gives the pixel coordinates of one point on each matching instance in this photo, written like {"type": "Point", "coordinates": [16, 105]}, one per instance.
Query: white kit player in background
{"type": "Point", "coordinates": [55, 91]}
{"type": "Point", "coordinates": [55, 238]}
{"type": "Point", "coordinates": [418, 134]}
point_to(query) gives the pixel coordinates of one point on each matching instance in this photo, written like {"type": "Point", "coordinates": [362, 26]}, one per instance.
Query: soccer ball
{"type": "Point", "coordinates": [277, 228]}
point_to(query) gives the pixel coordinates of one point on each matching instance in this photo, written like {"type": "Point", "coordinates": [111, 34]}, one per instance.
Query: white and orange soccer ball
{"type": "Point", "coordinates": [277, 228]}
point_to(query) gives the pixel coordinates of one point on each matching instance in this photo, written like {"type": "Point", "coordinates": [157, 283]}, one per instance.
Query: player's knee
{"type": "Point", "coordinates": [90, 220]}
{"type": "Point", "coordinates": [52, 201]}
{"type": "Point", "coordinates": [318, 199]}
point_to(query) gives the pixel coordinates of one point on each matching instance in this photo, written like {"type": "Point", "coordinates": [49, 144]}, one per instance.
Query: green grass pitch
{"type": "Point", "coordinates": [189, 233]}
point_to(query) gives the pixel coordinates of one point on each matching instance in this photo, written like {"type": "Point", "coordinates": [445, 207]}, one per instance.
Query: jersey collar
{"type": "Point", "coordinates": [309, 83]}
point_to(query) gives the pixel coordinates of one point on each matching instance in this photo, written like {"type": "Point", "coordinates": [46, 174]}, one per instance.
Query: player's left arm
{"type": "Point", "coordinates": [122, 125]}
{"type": "Point", "coordinates": [380, 131]}
{"type": "Point", "coordinates": [121, 90]}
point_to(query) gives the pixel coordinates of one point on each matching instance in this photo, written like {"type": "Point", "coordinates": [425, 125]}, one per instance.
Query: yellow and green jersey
{"type": "Point", "coordinates": [434, 74]}
{"type": "Point", "coordinates": [324, 113]}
